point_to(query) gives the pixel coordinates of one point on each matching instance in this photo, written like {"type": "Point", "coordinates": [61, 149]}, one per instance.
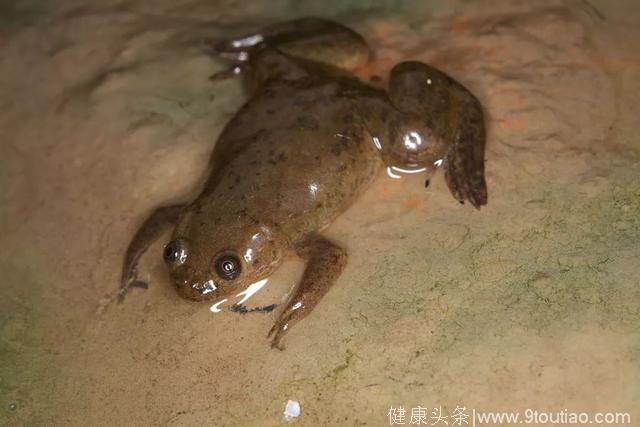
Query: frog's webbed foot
{"type": "Point", "coordinates": [325, 262]}
{"type": "Point", "coordinates": [235, 51]}
{"type": "Point", "coordinates": [464, 164]}
{"type": "Point", "coordinates": [156, 224]}
{"type": "Point", "coordinates": [454, 117]}
{"type": "Point", "coordinates": [237, 54]}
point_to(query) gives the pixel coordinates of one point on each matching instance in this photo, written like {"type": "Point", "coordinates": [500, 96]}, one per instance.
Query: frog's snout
{"type": "Point", "coordinates": [193, 287]}
{"type": "Point", "coordinates": [198, 290]}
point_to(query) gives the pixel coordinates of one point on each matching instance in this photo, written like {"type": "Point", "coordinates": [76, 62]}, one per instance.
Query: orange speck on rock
{"type": "Point", "coordinates": [519, 123]}
{"type": "Point", "coordinates": [377, 66]}
{"type": "Point", "coordinates": [388, 187]}
{"type": "Point", "coordinates": [413, 203]}
{"type": "Point", "coordinates": [515, 123]}
{"type": "Point", "coordinates": [384, 28]}
{"type": "Point", "coordinates": [458, 25]}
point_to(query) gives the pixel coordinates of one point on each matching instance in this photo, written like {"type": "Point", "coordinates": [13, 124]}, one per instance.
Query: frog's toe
{"type": "Point", "coordinates": [277, 344]}
{"type": "Point", "coordinates": [121, 294]}
{"type": "Point", "coordinates": [466, 184]}
{"type": "Point", "coordinates": [478, 196]}
{"type": "Point", "coordinates": [225, 49]}
{"type": "Point", "coordinates": [226, 74]}
{"type": "Point", "coordinates": [278, 331]}
{"type": "Point", "coordinates": [131, 283]}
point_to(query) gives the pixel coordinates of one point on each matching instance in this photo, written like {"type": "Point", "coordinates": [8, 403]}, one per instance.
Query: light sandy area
{"type": "Point", "coordinates": [106, 112]}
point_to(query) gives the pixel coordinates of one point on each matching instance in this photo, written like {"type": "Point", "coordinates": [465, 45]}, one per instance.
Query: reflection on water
{"type": "Point", "coordinates": [246, 294]}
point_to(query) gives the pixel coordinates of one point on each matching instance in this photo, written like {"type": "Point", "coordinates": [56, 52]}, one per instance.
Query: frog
{"type": "Point", "coordinates": [309, 140]}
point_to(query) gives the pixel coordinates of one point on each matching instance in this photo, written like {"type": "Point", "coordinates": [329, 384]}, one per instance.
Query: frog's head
{"type": "Point", "coordinates": [210, 261]}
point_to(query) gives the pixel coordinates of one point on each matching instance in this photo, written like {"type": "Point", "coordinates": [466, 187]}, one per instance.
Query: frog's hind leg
{"type": "Point", "coordinates": [454, 116]}
{"type": "Point", "coordinates": [308, 38]}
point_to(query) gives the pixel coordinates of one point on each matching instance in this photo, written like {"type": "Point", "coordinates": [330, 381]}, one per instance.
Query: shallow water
{"type": "Point", "coordinates": [106, 112]}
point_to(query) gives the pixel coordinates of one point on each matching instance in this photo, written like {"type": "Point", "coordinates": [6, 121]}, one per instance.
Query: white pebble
{"type": "Point", "coordinates": [291, 410]}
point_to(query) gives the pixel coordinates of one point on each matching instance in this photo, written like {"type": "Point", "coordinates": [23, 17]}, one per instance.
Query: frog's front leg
{"type": "Point", "coordinates": [325, 262]}
{"type": "Point", "coordinates": [441, 122]}
{"type": "Point", "coordinates": [159, 221]}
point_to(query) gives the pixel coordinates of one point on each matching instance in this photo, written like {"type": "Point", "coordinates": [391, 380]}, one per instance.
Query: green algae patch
{"type": "Point", "coordinates": [26, 358]}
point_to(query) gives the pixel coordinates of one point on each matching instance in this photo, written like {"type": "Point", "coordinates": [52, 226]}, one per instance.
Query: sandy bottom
{"type": "Point", "coordinates": [106, 112]}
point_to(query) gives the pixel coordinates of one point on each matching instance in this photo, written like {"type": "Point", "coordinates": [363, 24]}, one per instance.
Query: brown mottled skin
{"type": "Point", "coordinates": [306, 144]}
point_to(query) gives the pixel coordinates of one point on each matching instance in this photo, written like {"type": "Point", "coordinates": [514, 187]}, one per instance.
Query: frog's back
{"type": "Point", "coordinates": [296, 153]}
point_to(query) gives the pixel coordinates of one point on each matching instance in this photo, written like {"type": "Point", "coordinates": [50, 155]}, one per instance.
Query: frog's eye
{"type": "Point", "coordinates": [175, 252]}
{"type": "Point", "coordinates": [228, 266]}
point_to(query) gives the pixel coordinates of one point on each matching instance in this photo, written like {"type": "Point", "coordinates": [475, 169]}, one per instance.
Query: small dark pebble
{"type": "Point", "coordinates": [239, 308]}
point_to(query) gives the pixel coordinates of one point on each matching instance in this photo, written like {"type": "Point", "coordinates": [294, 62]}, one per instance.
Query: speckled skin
{"type": "Point", "coordinates": [306, 144]}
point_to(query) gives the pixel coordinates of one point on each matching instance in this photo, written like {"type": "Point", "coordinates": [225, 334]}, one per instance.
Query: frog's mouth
{"type": "Point", "coordinates": [197, 290]}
